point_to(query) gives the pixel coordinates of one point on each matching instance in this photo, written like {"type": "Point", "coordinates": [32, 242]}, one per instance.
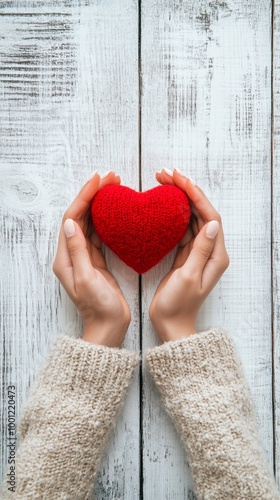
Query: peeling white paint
{"type": "Point", "coordinates": [69, 105]}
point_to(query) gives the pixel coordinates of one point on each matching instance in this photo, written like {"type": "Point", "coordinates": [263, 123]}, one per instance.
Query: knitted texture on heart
{"type": "Point", "coordinates": [141, 228]}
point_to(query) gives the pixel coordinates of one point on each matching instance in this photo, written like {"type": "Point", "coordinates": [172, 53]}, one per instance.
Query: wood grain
{"type": "Point", "coordinates": [206, 90]}
{"type": "Point", "coordinates": [69, 105]}
{"type": "Point", "coordinates": [276, 231]}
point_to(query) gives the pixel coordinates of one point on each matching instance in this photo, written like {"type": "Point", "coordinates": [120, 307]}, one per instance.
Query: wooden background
{"type": "Point", "coordinates": [137, 86]}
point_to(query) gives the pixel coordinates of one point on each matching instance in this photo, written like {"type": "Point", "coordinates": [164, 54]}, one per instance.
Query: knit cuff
{"type": "Point", "coordinates": [199, 352]}
{"type": "Point", "coordinates": [74, 362]}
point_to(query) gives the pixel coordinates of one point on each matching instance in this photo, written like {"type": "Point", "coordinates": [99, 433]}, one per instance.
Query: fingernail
{"type": "Point", "coordinates": [158, 171]}
{"type": "Point", "coordinates": [212, 229]}
{"type": "Point", "coordinates": [169, 172]}
{"type": "Point", "coordinates": [107, 173]}
{"type": "Point", "coordinates": [180, 172]}
{"type": "Point", "coordinates": [69, 227]}
{"type": "Point", "coordinates": [192, 181]}
{"type": "Point", "coordinates": [93, 174]}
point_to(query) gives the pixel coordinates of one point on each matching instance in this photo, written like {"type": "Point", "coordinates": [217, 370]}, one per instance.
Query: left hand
{"type": "Point", "coordinates": [81, 268]}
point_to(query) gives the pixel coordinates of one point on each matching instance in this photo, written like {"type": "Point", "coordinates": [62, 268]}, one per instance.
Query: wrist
{"type": "Point", "coordinates": [104, 334]}
{"type": "Point", "coordinates": [175, 332]}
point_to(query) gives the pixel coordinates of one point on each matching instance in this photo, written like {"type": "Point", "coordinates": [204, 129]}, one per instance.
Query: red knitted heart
{"type": "Point", "coordinates": [141, 228]}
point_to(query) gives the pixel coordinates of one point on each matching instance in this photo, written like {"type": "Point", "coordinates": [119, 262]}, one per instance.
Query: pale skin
{"type": "Point", "coordinates": [80, 266]}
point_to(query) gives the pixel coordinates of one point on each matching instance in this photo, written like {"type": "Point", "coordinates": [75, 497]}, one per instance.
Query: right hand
{"type": "Point", "coordinates": [199, 264]}
{"type": "Point", "coordinates": [81, 268]}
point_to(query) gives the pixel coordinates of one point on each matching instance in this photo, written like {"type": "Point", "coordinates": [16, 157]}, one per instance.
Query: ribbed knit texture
{"type": "Point", "coordinates": [66, 422]}
{"type": "Point", "coordinates": [141, 228]}
{"type": "Point", "coordinates": [203, 388]}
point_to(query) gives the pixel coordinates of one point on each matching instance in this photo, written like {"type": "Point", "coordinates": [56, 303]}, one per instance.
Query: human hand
{"type": "Point", "coordinates": [81, 268]}
{"type": "Point", "coordinates": [200, 261]}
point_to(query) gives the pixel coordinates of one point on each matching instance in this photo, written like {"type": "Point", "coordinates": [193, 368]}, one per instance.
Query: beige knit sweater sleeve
{"type": "Point", "coordinates": [203, 388]}
{"type": "Point", "coordinates": [67, 419]}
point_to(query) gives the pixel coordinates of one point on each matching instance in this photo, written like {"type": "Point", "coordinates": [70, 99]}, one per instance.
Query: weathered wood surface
{"type": "Point", "coordinates": [69, 105]}
{"type": "Point", "coordinates": [69, 93]}
{"type": "Point", "coordinates": [276, 232]}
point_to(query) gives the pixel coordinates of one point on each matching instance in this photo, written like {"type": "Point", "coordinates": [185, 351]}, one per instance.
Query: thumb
{"type": "Point", "coordinates": [202, 247]}
{"type": "Point", "coordinates": [77, 248]}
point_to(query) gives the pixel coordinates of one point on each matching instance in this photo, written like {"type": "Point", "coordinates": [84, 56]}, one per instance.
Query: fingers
{"type": "Point", "coordinates": [214, 269]}
{"type": "Point", "coordinates": [96, 254]}
{"type": "Point", "coordinates": [63, 266]}
{"type": "Point", "coordinates": [96, 240]}
{"type": "Point", "coordinates": [110, 178]}
{"type": "Point", "coordinates": [164, 176]}
{"type": "Point", "coordinates": [83, 200]}
{"type": "Point", "coordinates": [201, 204]}
{"type": "Point", "coordinates": [179, 179]}
{"type": "Point", "coordinates": [78, 210]}
{"type": "Point", "coordinates": [77, 248]}
{"type": "Point", "coordinates": [202, 249]}
{"type": "Point", "coordinates": [202, 212]}
{"type": "Point", "coordinates": [187, 238]}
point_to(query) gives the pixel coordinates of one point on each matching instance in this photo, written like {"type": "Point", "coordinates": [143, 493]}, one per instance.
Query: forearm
{"type": "Point", "coordinates": [66, 422]}
{"type": "Point", "coordinates": [202, 386]}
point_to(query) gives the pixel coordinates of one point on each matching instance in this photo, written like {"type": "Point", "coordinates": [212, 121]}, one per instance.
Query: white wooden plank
{"type": "Point", "coordinates": [206, 110]}
{"type": "Point", "coordinates": [276, 232]}
{"type": "Point", "coordinates": [69, 105]}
